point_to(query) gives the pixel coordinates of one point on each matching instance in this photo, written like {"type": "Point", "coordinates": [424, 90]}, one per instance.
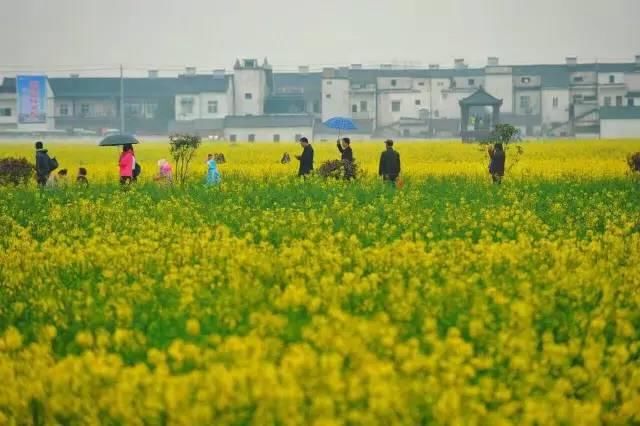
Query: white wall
{"type": "Point", "coordinates": [408, 108]}
{"type": "Point", "coordinates": [253, 81]}
{"type": "Point", "coordinates": [620, 128]}
{"type": "Point", "coordinates": [287, 134]}
{"type": "Point", "coordinates": [357, 98]}
{"type": "Point", "coordinates": [438, 85]}
{"type": "Point", "coordinates": [335, 98]}
{"type": "Point", "coordinates": [224, 105]}
{"type": "Point", "coordinates": [551, 114]}
{"type": "Point", "coordinates": [632, 81]}
{"type": "Point", "coordinates": [501, 86]}
{"type": "Point", "coordinates": [450, 103]}
{"type": "Point", "coordinates": [612, 92]}
{"type": "Point", "coordinates": [534, 102]}
{"type": "Point", "coordinates": [603, 78]}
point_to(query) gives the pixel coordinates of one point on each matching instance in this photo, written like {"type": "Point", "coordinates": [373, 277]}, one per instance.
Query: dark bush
{"type": "Point", "coordinates": [634, 162]}
{"type": "Point", "coordinates": [338, 169]}
{"type": "Point", "coordinates": [15, 171]}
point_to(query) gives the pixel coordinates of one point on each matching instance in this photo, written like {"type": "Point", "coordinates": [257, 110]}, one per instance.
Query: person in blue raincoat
{"type": "Point", "coordinates": [213, 175]}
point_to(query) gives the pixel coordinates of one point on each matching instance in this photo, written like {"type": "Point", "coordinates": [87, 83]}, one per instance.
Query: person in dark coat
{"type": "Point", "coordinates": [306, 159]}
{"type": "Point", "coordinates": [389, 163]}
{"type": "Point", "coordinates": [44, 164]}
{"type": "Point", "coordinates": [344, 146]}
{"type": "Point", "coordinates": [497, 159]}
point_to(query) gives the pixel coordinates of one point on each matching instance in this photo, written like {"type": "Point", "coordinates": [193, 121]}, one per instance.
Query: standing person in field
{"type": "Point", "coordinates": [344, 146]}
{"type": "Point", "coordinates": [44, 164]}
{"type": "Point", "coordinates": [126, 164]}
{"type": "Point", "coordinates": [213, 175]}
{"type": "Point", "coordinates": [306, 158]}
{"type": "Point", "coordinates": [497, 159]}
{"type": "Point", "coordinates": [389, 167]}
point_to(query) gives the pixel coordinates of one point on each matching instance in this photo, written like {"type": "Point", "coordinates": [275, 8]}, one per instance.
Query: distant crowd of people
{"type": "Point", "coordinates": [389, 166]}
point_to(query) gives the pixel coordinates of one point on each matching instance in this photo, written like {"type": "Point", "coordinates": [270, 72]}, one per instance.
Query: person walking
{"type": "Point", "coordinates": [44, 164]}
{"type": "Point", "coordinates": [497, 158]}
{"type": "Point", "coordinates": [346, 155]}
{"type": "Point", "coordinates": [389, 167]}
{"type": "Point", "coordinates": [213, 175]}
{"type": "Point", "coordinates": [126, 164]}
{"type": "Point", "coordinates": [306, 158]}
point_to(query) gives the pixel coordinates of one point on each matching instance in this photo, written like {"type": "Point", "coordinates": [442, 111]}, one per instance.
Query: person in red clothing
{"type": "Point", "coordinates": [126, 164]}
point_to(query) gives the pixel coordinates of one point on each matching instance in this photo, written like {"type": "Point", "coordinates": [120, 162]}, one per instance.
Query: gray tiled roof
{"type": "Point", "coordinates": [620, 113]}
{"type": "Point", "coordinates": [261, 121]}
{"type": "Point", "coordinates": [480, 98]}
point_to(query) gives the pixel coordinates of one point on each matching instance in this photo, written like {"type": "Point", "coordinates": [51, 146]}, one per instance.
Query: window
{"type": "Point", "coordinates": [212, 107]}
{"type": "Point", "coordinates": [418, 102]}
{"type": "Point", "coordinates": [233, 138]}
{"type": "Point", "coordinates": [248, 96]}
{"type": "Point", "coordinates": [252, 137]}
{"type": "Point", "coordinates": [440, 83]}
{"type": "Point", "coordinates": [612, 79]}
{"type": "Point", "coordinates": [276, 138]}
{"type": "Point", "coordinates": [525, 102]}
{"type": "Point", "coordinates": [555, 102]}
{"type": "Point", "coordinates": [421, 83]}
{"type": "Point", "coordinates": [395, 106]}
{"type": "Point", "coordinates": [394, 83]}
{"type": "Point", "coordinates": [329, 82]}
{"type": "Point", "coordinates": [316, 107]}
{"type": "Point", "coordinates": [406, 133]}
{"type": "Point", "coordinates": [578, 79]}
{"type": "Point", "coordinates": [436, 113]}
{"type": "Point", "coordinates": [5, 112]}
{"type": "Point", "coordinates": [84, 109]}
{"type": "Point", "coordinates": [607, 101]}
{"type": "Point", "coordinates": [64, 110]}
{"type": "Point", "coordinates": [630, 102]}
{"type": "Point", "coordinates": [525, 80]}
{"type": "Point", "coordinates": [577, 98]}
{"type": "Point", "coordinates": [328, 96]}
{"type": "Point", "coordinates": [186, 105]}
{"type": "Point", "coordinates": [618, 100]}
{"type": "Point", "coordinates": [363, 106]}
{"type": "Point", "coordinates": [445, 96]}
{"type": "Point", "coordinates": [354, 108]}
{"type": "Point", "coordinates": [133, 110]}
{"type": "Point", "coordinates": [472, 82]}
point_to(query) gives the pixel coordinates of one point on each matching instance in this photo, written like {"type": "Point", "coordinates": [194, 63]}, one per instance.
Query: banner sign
{"type": "Point", "coordinates": [32, 98]}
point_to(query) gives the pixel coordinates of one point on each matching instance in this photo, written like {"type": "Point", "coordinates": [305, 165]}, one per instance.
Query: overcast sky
{"type": "Point", "coordinates": [49, 35]}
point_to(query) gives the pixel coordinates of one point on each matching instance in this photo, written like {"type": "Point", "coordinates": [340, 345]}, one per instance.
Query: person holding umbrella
{"type": "Point", "coordinates": [344, 146]}
{"type": "Point", "coordinates": [306, 158]}
{"type": "Point", "coordinates": [126, 164]}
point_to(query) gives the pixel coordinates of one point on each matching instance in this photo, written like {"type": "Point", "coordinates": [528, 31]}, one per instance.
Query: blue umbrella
{"type": "Point", "coordinates": [340, 123]}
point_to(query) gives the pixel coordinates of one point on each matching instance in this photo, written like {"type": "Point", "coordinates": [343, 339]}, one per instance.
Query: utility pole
{"type": "Point", "coordinates": [121, 101]}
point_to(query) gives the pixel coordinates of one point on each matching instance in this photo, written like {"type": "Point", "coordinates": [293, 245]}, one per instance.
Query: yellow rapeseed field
{"type": "Point", "coordinates": [271, 300]}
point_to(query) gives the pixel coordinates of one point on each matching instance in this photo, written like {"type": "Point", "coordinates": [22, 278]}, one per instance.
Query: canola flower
{"type": "Point", "coordinates": [272, 300]}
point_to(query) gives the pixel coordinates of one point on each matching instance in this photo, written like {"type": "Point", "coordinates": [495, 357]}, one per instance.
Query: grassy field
{"type": "Point", "coordinates": [271, 301]}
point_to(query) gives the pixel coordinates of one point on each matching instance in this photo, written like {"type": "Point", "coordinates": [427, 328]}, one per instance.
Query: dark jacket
{"type": "Point", "coordinates": [43, 164]}
{"type": "Point", "coordinates": [496, 165]}
{"type": "Point", "coordinates": [306, 161]}
{"type": "Point", "coordinates": [347, 153]}
{"type": "Point", "coordinates": [389, 164]}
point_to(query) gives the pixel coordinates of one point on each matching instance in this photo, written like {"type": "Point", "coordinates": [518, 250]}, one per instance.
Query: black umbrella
{"type": "Point", "coordinates": [116, 140]}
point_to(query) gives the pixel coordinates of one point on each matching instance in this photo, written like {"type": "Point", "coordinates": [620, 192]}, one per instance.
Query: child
{"type": "Point", "coordinates": [213, 175]}
{"type": "Point", "coordinates": [58, 180]}
{"type": "Point", "coordinates": [81, 179]}
{"type": "Point", "coordinates": [165, 173]}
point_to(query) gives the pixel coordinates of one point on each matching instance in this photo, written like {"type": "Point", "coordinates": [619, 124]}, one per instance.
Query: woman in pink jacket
{"type": "Point", "coordinates": [126, 164]}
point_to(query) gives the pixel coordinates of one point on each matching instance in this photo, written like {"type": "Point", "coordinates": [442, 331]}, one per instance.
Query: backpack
{"type": "Point", "coordinates": [137, 170]}
{"type": "Point", "coordinates": [53, 164]}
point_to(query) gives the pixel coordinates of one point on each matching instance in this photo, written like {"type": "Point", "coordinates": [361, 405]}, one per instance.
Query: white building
{"type": "Point", "coordinates": [9, 110]}
{"type": "Point", "coordinates": [268, 128]}
{"type": "Point", "coordinates": [336, 100]}
{"type": "Point", "coordinates": [620, 122]}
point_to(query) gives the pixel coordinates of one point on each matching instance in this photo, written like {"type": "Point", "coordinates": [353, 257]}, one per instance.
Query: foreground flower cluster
{"type": "Point", "coordinates": [276, 301]}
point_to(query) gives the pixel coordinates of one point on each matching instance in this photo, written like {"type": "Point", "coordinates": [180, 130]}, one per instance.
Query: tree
{"type": "Point", "coordinates": [183, 147]}
{"type": "Point", "coordinates": [15, 171]}
{"type": "Point", "coordinates": [508, 135]}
